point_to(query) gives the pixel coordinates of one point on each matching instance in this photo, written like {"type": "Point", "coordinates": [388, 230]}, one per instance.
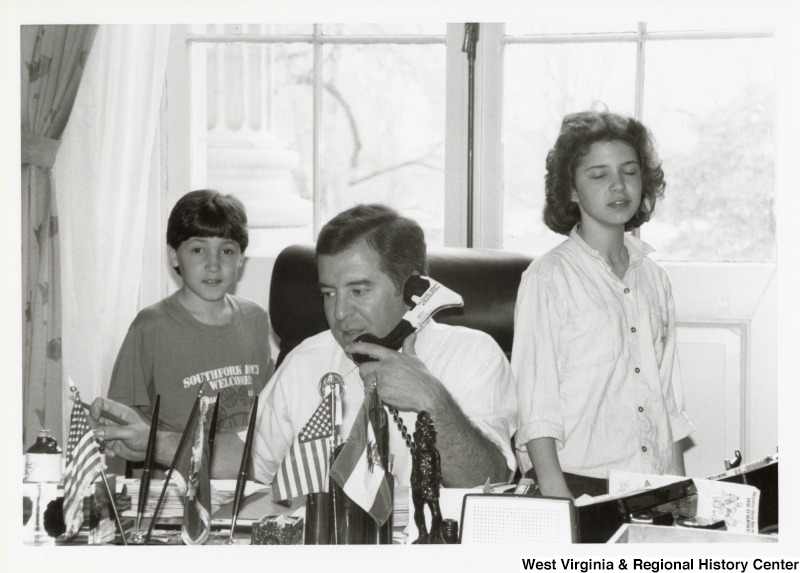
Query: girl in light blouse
{"type": "Point", "coordinates": [594, 357]}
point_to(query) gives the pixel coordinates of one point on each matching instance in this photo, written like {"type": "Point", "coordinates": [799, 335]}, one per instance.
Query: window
{"type": "Point", "coordinates": [304, 121]}
{"type": "Point", "coordinates": [706, 93]}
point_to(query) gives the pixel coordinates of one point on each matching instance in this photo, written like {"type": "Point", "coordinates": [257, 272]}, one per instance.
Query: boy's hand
{"type": "Point", "coordinates": [128, 441]}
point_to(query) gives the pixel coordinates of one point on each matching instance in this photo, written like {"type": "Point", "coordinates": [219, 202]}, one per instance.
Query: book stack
{"type": "Point", "coordinates": [172, 506]}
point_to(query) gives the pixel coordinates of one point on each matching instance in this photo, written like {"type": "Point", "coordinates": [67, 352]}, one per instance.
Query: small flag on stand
{"type": "Point", "coordinates": [305, 468]}
{"type": "Point", "coordinates": [84, 464]}
{"type": "Point", "coordinates": [193, 469]}
{"type": "Point", "coordinates": [359, 471]}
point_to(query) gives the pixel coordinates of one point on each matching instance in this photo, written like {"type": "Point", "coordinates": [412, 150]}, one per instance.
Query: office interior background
{"type": "Point", "coordinates": [301, 121]}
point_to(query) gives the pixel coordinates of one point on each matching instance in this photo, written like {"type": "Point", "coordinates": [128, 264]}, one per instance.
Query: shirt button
{"type": "Point", "coordinates": [640, 409]}
{"type": "Point", "coordinates": [636, 370]}
{"type": "Point", "coordinates": [633, 329]}
{"type": "Point", "coordinates": [627, 290]}
{"type": "Point", "coordinates": [644, 448]}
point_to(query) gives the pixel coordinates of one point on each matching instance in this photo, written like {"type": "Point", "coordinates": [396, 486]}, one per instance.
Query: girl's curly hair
{"type": "Point", "coordinates": [578, 132]}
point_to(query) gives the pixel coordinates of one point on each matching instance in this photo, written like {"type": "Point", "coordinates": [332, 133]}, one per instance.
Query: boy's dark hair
{"type": "Point", "coordinates": [207, 213]}
{"type": "Point", "coordinates": [578, 132]}
{"type": "Point", "coordinates": [399, 241]}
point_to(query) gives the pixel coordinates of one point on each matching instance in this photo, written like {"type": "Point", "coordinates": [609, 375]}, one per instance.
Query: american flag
{"type": "Point", "coordinates": [84, 464]}
{"type": "Point", "coordinates": [305, 468]}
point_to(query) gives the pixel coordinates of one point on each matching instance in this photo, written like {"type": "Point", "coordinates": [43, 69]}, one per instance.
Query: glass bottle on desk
{"type": "Point", "coordinates": [43, 472]}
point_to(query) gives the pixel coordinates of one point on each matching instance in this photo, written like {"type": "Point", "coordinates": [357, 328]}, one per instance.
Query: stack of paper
{"type": "Point", "coordinates": [400, 516]}
{"type": "Point", "coordinates": [222, 491]}
{"type": "Point", "coordinates": [172, 506]}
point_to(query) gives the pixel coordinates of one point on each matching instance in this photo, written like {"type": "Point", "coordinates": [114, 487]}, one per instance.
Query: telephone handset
{"type": "Point", "coordinates": [425, 297]}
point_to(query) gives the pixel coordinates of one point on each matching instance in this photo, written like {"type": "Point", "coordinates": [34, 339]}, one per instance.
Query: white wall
{"type": "Point", "coordinates": [727, 337]}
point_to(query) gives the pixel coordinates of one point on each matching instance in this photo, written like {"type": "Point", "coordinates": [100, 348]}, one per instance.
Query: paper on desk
{"type": "Point", "coordinates": [222, 490]}
{"type": "Point", "coordinates": [221, 493]}
{"type": "Point", "coordinates": [746, 468]}
{"type": "Point", "coordinates": [736, 504]}
{"type": "Point", "coordinates": [255, 507]}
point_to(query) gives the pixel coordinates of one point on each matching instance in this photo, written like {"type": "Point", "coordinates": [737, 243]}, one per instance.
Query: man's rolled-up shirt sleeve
{"type": "Point", "coordinates": [486, 393]}
{"type": "Point", "coordinates": [273, 433]}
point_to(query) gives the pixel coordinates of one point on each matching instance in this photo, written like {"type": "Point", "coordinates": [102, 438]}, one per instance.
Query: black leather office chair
{"type": "Point", "coordinates": [487, 280]}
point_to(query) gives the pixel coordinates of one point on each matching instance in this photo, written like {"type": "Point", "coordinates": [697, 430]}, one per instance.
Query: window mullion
{"type": "Point", "coordinates": [640, 48]}
{"type": "Point", "coordinates": [638, 99]}
{"type": "Point", "coordinates": [317, 144]}
{"type": "Point", "coordinates": [487, 151]}
{"type": "Point", "coordinates": [455, 212]}
{"type": "Point", "coordinates": [488, 154]}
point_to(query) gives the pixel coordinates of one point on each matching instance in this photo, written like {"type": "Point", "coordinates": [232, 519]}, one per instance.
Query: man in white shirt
{"type": "Point", "coordinates": [460, 376]}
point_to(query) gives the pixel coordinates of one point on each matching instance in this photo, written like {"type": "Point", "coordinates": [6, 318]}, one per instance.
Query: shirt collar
{"type": "Point", "coordinates": [637, 249]}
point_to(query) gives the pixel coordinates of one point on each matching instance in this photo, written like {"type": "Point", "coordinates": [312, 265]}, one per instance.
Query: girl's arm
{"type": "Point", "coordinates": [677, 447]}
{"type": "Point", "coordinates": [542, 452]}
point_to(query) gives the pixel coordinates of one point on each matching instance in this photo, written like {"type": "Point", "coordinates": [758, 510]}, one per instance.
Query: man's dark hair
{"type": "Point", "coordinates": [398, 241]}
{"type": "Point", "coordinates": [207, 213]}
{"type": "Point", "coordinates": [578, 132]}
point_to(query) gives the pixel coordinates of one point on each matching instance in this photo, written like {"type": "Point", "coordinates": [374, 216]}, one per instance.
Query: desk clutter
{"type": "Point", "coordinates": [71, 499]}
{"type": "Point", "coordinates": [642, 508]}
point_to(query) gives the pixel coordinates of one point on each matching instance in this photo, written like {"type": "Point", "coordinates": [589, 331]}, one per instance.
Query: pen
{"type": "Point", "coordinates": [106, 415]}
{"type": "Point", "coordinates": [144, 484]}
{"type": "Point", "coordinates": [212, 430]}
{"type": "Point", "coordinates": [242, 478]}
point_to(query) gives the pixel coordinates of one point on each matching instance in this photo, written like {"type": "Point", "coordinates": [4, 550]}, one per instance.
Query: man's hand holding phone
{"type": "Point", "coordinates": [404, 382]}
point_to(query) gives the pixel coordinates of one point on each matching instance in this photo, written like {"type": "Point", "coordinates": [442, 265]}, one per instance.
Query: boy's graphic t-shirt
{"type": "Point", "coordinates": [168, 352]}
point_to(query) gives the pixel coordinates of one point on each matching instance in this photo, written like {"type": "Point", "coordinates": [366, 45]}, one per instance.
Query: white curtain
{"type": "Point", "coordinates": [103, 173]}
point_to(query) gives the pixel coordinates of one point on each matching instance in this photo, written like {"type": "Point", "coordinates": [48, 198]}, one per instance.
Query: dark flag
{"type": "Point", "coordinates": [194, 469]}
{"type": "Point", "coordinates": [358, 468]}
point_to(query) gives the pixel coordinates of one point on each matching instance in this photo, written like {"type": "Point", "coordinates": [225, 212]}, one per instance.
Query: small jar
{"type": "Point", "coordinates": [450, 531]}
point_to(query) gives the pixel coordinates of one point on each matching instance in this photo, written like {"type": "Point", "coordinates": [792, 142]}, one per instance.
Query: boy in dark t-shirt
{"type": "Point", "coordinates": [200, 336]}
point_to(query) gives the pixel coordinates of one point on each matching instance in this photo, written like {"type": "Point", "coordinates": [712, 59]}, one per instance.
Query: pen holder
{"type": "Point", "coordinates": [277, 530]}
{"type": "Point", "coordinates": [318, 519]}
